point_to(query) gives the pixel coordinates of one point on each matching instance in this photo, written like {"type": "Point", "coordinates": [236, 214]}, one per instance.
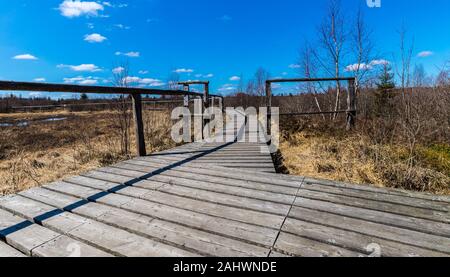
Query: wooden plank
{"type": "Point", "coordinates": [211, 208]}
{"type": "Point", "coordinates": [158, 181]}
{"type": "Point", "coordinates": [7, 251]}
{"type": "Point", "coordinates": [376, 205]}
{"type": "Point", "coordinates": [22, 234]}
{"type": "Point", "coordinates": [199, 176]}
{"type": "Point", "coordinates": [275, 254]}
{"type": "Point", "coordinates": [414, 238]}
{"type": "Point", "coordinates": [381, 197]}
{"type": "Point", "coordinates": [231, 200]}
{"type": "Point", "coordinates": [202, 242]}
{"type": "Point", "coordinates": [354, 240]}
{"type": "Point", "coordinates": [222, 226]}
{"type": "Point", "coordinates": [431, 197]}
{"type": "Point", "coordinates": [105, 237]}
{"type": "Point", "coordinates": [302, 247]}
{"type": "Point", "coordinates": [220, 174]}
{"type": "Point", "coordinates": [401, 221]}
{"type": "Point", "coordinates": [64, 246]}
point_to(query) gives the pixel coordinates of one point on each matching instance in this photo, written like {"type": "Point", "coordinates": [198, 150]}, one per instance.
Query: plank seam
{"type": "Point", "coordinates": [273, 248]}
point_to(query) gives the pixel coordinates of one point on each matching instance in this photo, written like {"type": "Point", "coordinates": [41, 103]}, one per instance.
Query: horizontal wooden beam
{"type": "Point", "coordinates": [298, 80]}
{"type": "Point", "coordinates": [194, 83]}
{"type": "Point", "coordinates": [313, 113]}
{"type": "Point", "coordinates": [27, 86]}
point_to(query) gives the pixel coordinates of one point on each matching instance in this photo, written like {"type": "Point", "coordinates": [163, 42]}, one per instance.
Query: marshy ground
{"type": "Point", "coordinates": [46, 150]}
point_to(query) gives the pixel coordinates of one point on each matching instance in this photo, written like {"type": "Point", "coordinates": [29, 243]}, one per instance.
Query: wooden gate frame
{"type": "Point", "coordinates": [135, 93]}
{"type": "Point", "coordinates": [351, 99]}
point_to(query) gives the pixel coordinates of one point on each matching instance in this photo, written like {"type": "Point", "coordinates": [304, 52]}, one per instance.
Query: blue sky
{"type": "Point", "coordinates": [82, 42]}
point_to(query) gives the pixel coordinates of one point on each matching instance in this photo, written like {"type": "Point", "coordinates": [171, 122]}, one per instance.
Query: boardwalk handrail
{"type": "Point", "coordinates": [351, 99]}
{"type": "Point", "coordinates": [135, 93]}
{"type": "Point", "coordinates": [45, 87]}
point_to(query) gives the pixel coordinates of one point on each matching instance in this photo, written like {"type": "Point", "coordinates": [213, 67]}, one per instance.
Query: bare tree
{"type": "Point", "coordinates": [406, 51]}
{"type": "Point", "coordinates": [362, 49]}
{"type": "Point", "coordinates": [259, 84]}
{"type": "Point", "coordinates": [419, 76]}
{"type": "Point", "coordinates": [332, 38]}
{"type": "Point", "coordinates": [443, 77]}
{"type": "Point", "coordinates": [121, 78]}
{"type": "Point", "coordinates": [308, 68]}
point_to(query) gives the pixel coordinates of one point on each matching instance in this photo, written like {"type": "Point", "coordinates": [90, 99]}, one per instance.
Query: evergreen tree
{"type": "Point", "coordinates": [84, 96]}
{"type": "Point", "coordinates": [386, 78]}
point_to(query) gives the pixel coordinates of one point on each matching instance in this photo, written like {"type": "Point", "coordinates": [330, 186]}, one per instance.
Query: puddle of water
{"type": "Point", "coordinates": [53, 119]}
{"type": "Point", "coordinates": [27, 123]}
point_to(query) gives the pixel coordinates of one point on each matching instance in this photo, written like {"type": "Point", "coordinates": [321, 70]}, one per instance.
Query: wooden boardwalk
{"type": "Point", "coordinates": [217, 199]}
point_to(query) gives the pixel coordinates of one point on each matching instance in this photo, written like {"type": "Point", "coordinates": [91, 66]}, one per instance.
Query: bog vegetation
{"type": "Point", "coordinates": [401, 140]}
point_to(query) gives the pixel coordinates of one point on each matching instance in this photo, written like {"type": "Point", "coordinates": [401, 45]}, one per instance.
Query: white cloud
{"type": "Point", "coordinates": [356, 67]}
{"type": "Point", "coordinates": [294, 66]}
{"type": "Point", "coordinates": [425, 54]}
{"type": "Point", "coordinates": [81, 67]}
{"type": "Point", "coordinates": [129, 54]}
{"type": "Point", "coordinates": [227, 88]}
{"type": "Point", "coordinates": [379, 62]}
{"type": "Point", "coordinates": [25, 57]}
{"type": "Point", "coordinates": [35, 94]}
{"type": "Point", "coordinates": [70, 8]}
{"type": "Point", "coordinates": [39, 80]}
{"type": "Point", "coordinates": [235, 78]}
{"type": "Point", "coordinates": [143, 72]}
{"type": "Point", "coordinates": [364, 66]}
{"type": "Point", "coordinates": [118, 70]}
{"type": "Point", "coordinates": [183, 70]}
{"type": "Point", "coordinates": [94, 38]}
{"type": "Point", "coordinates": [144, 82]}
{"type": "Point", "coordinates": [284, 73]}
{"type": "Point", "coordinates": [87, 81]}
{"type": "Point", "coordinates": [210, 75]}
{"type": "Point", "coordinates": [121, 26]}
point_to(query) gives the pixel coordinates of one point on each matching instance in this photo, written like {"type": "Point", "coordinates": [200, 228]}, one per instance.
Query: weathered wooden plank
{"type": "Point", "coordinates": [431, 197]}
{"type": "Point", "coordinates": [203, 242]}
{"type": "Point", "coordinates": [382, 197]}
{"type": "Point", "coordinates": [275, 254]}
{"type": "Point", "coordinates": [23, 234]}
{"type": "Point", "coordinates": [212, 208]}
{"type": "Point", "coordinates": [155, 182]}
{"type": "Point", "coordinates": [377, 205]}
{"type": "Point", "coordinates": [7, 251]}
{"type": "Point", "coordinates": [105, 237]}
{"type": "Point", "coordinates": [402, 221]}
{"type": "Point", "coordinates": [419, 239]}
{"type": "Point", "coordinates": [302, 247]}
{"type": "Point", "coordinates": [354, 240]}
{"type": "Point", "coordinates": [226, 199]}
{"type": "Point", "coordinates": [64, 246]}
{"type": "Point", "coordinates": [212, 173]}
{"type": "Point", "coordinates": [230, 228]}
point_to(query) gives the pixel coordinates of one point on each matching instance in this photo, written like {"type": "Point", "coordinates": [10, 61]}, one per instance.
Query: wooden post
{"type": "Point", "coordinates": [269, 106]}
{"type": "Point", "coordinates": [186, 97]}
{"type": "Point", "coordinates": [139, 125]}
{"type": "Point", "coordinates": [351, 102]}
{"type": "Point", "coordinates": [206, 96]}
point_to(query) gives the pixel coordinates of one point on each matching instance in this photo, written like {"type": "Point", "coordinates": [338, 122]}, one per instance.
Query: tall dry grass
{"type": "Point", "coordinates": [401, 141]}
{"type": "Point", "coordinates": [44, 152]}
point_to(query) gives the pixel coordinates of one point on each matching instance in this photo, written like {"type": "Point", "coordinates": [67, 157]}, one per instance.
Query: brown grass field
{"type": "Point", "coordinates": [49, 151]}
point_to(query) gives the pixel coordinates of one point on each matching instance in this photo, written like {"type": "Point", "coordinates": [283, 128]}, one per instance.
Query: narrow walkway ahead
{"type": "Point", "coordinates": [218, 200]}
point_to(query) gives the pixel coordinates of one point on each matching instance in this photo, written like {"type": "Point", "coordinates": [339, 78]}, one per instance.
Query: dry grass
{"type": "Point", "coordinates": [354, 158]}
{"type": "Point", "coordinates": [45, 152]}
